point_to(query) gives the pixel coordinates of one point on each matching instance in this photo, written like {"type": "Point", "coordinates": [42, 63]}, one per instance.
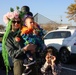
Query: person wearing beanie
{"type": "Point", "coordinates": [26, 10]}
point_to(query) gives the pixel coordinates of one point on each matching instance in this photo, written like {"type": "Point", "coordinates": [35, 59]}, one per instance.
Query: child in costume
{"type": "Point", "coordinates": [10, 47]}
{"type": "Point", "coordinates": [50, 67]}
{"type": "Point", "coordinates": [31, 33]}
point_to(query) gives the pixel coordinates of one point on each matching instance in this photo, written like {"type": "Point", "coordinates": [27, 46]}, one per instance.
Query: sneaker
{"type": "Point", "coordinates": [29, 63]}
{"type": "Point", "coordinates": [27, 71]}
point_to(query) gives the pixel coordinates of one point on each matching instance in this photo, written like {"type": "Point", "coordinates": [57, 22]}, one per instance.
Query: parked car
{"type": "Point", "coordinates": [1, 58]}
{"type": "Point", "coordinates": [63, 40]}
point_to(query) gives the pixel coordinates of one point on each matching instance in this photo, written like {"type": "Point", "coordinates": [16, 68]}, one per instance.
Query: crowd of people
{"type": "Point", "coordinates": [23, 42]}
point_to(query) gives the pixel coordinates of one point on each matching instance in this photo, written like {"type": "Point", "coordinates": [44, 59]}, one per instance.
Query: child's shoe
{"type": "Point", "coordinates": [27, 71]}
{"type": "Point", "coordinates": [29, 63]}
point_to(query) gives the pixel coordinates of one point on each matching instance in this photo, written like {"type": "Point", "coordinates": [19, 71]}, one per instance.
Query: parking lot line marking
{"type": "Point", "coordinates": [68, 69]}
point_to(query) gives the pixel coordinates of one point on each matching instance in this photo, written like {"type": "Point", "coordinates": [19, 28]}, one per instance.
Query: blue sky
{"type": "Point", "coordinates": [52, 9]}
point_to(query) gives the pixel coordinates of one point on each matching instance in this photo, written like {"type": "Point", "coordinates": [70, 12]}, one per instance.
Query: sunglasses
{"type": "Point", "coordinates": [18, 22]}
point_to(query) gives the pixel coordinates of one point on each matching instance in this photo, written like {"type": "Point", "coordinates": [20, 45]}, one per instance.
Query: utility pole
{"type": "Point", "coordinates": [61, 20]}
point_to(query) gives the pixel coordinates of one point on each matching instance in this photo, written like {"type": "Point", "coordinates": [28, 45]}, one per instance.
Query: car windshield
{"type": "Point", "coordinates": [58, 34]}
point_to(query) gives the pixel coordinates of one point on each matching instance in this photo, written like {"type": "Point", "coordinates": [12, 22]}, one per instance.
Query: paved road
{"type": "Point", "coordinates": [65, 71]}
{"type": "Point", "coordinates": [68, 69]}
{"type": "Point", "coordinates": [68, 72]}
{"type": "Point", "coordinates": [2, 72]}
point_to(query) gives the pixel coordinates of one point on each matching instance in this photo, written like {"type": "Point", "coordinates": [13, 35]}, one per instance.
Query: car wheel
{"type": "Point", "coordinates": [64, 55]}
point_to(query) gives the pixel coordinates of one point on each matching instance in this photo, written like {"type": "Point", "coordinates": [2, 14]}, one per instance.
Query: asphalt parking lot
{"type": "Point", "coordinates": [67, 69]}
{"type": "Point", "coordinates": [3, 72]}
{"type": "Point", "coordinates": [68, 72]}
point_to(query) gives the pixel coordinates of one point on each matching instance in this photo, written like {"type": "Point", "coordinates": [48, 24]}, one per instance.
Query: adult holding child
{"type": "Point", "coordinates": [15, 49]}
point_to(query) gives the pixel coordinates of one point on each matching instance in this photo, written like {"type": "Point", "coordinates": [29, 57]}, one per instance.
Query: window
{"type": "Point", "coordinates": [58, 34]}
{"type": "Point", "coordinates": [65, 34]}
{"type": "Point", "coordinates": [49, 36]}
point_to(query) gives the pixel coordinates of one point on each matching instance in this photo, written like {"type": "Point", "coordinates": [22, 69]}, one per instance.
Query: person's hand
{"type": "Point", "coordinates": [17, 39]}
{"type": "Point", "coordinates": [30, 47]}
{"type": "Point", "coordinates": [48, 59]}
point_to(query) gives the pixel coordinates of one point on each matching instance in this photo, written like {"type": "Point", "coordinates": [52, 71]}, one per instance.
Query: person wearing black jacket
{"type": "Point", "coordinates": [14, 46]}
